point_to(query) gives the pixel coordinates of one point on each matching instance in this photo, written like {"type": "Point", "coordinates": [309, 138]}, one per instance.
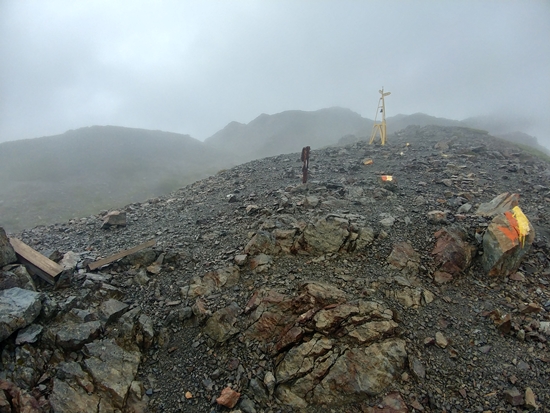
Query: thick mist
{"type": "Point", "coordinates": [193, 67]}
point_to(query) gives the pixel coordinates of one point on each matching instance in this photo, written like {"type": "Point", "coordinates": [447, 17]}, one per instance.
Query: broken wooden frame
{"type": "Point", "coordinates": [100, 263]}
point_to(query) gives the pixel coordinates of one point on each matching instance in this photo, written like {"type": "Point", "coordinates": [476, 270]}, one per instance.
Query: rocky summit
{"type": "Point", "coordinates": [411, 277]}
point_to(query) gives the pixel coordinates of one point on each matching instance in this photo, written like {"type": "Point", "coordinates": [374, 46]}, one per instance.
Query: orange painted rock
{"type": "Point", "coordinates": [506, 241]}
{"type": "Point", "coordinates": [388, 182]}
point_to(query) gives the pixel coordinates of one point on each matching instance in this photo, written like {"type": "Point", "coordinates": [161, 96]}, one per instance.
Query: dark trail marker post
{"type": "Point", "coordinates": [305, 160]}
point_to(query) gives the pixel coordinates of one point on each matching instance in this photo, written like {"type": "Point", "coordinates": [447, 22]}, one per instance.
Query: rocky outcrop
{"type": "Point", "coordinates": [93, 371]}
{"type": "Point", "coordinates": [332, 351]}
{"type": "Point", "coordinates": [329, 234]}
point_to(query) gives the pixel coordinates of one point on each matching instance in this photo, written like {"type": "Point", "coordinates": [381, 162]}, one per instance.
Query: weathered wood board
{"type": "Point", "coordinates": [100, 263]}
{"type": "Point", "coordinates": [36, 263]}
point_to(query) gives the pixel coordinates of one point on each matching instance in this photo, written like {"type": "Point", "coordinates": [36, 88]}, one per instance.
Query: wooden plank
{"type": "Point", "coordinates": [37, 263]}
{"type": "Point", "coordinates": [121, 254]}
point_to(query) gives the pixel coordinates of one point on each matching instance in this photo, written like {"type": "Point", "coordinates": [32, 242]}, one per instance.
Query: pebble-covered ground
{"type": "Point", "coordinates": [458, 360]}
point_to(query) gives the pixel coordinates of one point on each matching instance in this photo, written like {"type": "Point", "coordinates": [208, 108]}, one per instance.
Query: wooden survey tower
{"type": "Point", "coordinates": [380, 126]}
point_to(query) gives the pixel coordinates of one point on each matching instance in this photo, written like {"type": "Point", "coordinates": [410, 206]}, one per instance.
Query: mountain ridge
{"type": "Point", "coordinates": [50, 179]}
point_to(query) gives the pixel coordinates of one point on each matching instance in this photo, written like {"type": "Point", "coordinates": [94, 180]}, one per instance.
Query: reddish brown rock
{"type": "Point", "coordinates": [253, 303]}
{"type": "Point", "coordinates": [228, 398]}
{"type": "Point", "coordinates": [274, 314]}
{"type": "Point", "coordinates": [21, 400]}
{"type": "Point", "coordinates": [346, 359]}
{"type": "Point", "coordinates": [292, 336]}
{"type": "Point", "coordinates": [452, 253]}
{"type": "Point", "coordinates": [271, 316]}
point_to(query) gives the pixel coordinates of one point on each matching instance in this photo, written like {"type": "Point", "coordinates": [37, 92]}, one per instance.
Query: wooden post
{"type": "Point", "coordinates": [305, 160]}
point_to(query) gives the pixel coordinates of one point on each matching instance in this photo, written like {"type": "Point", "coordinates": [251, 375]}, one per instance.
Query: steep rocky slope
{"type": "Point", "coordinates": [279, 295]}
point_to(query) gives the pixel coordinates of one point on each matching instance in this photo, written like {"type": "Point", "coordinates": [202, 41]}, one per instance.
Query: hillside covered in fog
{"type": "Point", "coordinates": [80, 172]}
{"type": "Point", "coordinates": [75, 174]}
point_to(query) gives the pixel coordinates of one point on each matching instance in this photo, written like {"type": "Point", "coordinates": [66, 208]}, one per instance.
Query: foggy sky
{"type": "Point", "coordinates": [193, 66]}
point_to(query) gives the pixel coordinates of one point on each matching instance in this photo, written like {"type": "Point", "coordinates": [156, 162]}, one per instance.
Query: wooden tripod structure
{"type": "Point", "coordinates": [380, 126]}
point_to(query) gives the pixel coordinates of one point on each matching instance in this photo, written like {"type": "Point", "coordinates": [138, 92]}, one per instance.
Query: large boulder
{"type": "Point", "coordinates": [506, 241]}
{"type": "Point", "coordinates": [352, 355]}
{"type": "Point", "coordinates": [18, 309]}
{"type": "Point", "coordinates": [335, 233]}
{"type": "Point", "coordinates": [73, 336]}
{"type": "Point", "coordinates": [327, 234]}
